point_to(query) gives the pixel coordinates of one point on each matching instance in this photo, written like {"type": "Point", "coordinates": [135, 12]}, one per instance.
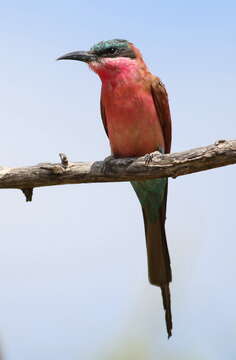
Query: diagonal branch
{"type": "Point", "coordinates": [221, 153]}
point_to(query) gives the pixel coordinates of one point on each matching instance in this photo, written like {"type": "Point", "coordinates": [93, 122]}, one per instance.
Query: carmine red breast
{"type": "Point", "coordinates": [132, 123]}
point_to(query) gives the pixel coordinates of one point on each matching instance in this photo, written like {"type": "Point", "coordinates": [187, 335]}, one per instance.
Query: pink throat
{"type": "Point", "coordinates": [116, 69]}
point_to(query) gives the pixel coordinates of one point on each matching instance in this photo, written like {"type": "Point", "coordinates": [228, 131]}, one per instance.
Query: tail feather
{"type": "Point", "coordinates": [159, 269]}
{"type": "Point", "coordinates": [165, 291]}
{"type": "Point", "coordinates": [152, 195]}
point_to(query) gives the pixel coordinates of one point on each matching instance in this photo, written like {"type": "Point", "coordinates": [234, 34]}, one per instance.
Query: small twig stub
{"type": "Point", "coordinates": [28, 194]}
{"type": "Point", "coordinates": [64, 160]}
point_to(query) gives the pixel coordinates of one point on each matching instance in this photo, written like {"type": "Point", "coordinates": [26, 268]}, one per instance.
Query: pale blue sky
{"type": "Point", "coordinates": [73, 269]}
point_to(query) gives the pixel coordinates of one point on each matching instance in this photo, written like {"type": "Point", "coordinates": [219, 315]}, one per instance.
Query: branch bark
{"type": "Point", "coordinates": [221, 153]}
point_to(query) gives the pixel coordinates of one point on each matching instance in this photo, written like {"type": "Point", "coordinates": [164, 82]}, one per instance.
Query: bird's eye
{"type": "Point", "coordinates": [112, 50]}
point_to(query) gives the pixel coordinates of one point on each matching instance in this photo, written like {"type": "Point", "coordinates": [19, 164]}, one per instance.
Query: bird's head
{"type": "Point", "coordinates": [108, 58]}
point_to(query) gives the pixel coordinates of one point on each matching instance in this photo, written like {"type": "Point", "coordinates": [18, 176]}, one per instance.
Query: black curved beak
{"type": "Point", "coordinates": [85, 56]}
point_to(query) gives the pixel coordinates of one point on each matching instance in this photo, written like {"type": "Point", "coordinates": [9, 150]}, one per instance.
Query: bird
{"type": "Point", "coordinates": [136, 117]}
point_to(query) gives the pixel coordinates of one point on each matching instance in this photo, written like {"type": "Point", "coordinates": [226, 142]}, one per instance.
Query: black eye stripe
{"type": "Point", "coordinates": [110, 50]}
{"type": "Point", "coordinates": [113, 51]}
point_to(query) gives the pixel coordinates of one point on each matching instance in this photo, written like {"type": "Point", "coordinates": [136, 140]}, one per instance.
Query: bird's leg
{"type": "Point", "coordinates": [148, 158]}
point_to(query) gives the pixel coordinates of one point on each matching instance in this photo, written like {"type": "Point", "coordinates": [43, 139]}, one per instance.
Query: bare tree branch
{"type": "Point", "coordinates": [222, 153]}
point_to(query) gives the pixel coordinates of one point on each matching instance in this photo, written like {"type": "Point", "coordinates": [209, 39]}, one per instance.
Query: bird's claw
{"type": "Point", "coordinates": [149, 157]}
{"type": "Point", "coordinates": [106, 163]}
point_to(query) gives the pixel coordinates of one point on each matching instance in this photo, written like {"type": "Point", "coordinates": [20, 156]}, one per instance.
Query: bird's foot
{"type": "Point", "coordinates": [148, 158]}
{"type": "Point", "coordinates": [106, 163]}
{"type": "Point", "coordinates": [109, 158]}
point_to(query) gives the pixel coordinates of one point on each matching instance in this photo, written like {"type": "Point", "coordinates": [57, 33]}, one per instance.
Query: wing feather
{"type": "Point", "coordinates": [160, 98]}
{"type": "Point", "coordinates": [103, 115]}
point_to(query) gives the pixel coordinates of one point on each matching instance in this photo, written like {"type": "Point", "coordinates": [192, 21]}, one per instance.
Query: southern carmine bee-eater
{"type": "Point", "coordinates": [136, 117]}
